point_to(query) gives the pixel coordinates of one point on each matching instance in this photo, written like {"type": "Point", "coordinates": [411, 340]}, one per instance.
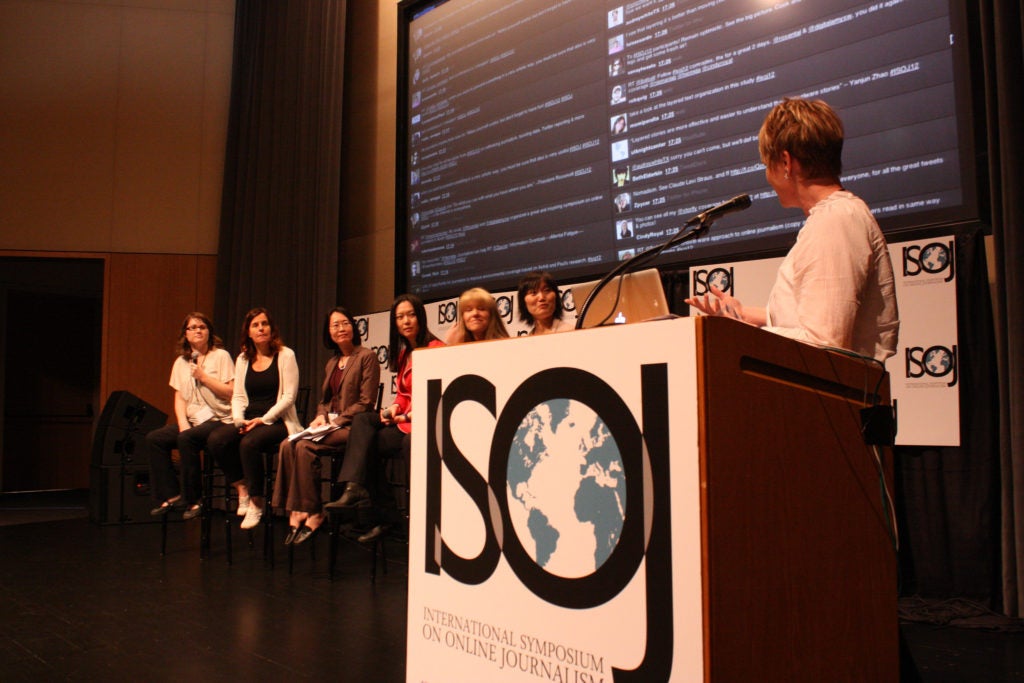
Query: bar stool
{"type": "Point", "coordinates": [216, 485]}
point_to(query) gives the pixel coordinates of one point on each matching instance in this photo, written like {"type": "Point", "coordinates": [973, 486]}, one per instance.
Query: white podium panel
{"type": "Point", "coordinates": [555, 529]}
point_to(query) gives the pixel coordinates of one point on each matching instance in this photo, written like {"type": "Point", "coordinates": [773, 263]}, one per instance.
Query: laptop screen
{"type": "Point", "coordinates": [631, 298]}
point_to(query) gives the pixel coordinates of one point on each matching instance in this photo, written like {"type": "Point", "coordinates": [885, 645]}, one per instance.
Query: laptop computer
{"type": "Point", "coordinates": [640, 297]}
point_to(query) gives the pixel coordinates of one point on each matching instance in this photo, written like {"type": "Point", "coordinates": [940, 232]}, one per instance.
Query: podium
{"type": "Point", "coordinates": [687, 500]}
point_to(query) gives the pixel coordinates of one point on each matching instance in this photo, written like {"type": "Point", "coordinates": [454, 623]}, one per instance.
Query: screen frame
{"type": "Point", "coordinates": [973, 211]}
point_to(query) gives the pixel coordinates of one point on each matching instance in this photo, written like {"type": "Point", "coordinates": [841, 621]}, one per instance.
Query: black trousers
{"type": "Point", "coordinates": [160, 442]}
{"type": "Point", "coordinates": [369, 440]}
{"type": "Point", "coordinates": [241, 456]}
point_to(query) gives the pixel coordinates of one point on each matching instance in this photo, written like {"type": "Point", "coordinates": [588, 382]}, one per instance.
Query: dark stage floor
{"type": "Point", "coordinates": [85, 602]}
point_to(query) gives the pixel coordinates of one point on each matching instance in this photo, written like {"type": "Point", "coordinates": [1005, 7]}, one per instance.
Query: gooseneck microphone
{"type": "Point", "coordinates": [699, 225]}
{"type": "Point", "coordinates": [708, 216]}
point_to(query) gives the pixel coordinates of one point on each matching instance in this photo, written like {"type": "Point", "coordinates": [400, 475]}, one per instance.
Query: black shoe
{"type": "Point", "coordinates": [355, 496]}
{"type": "Point", "coordinates": [289, 538]}
{"type": "Point", "coordinates": [373, 534]}
{"type": "Point", "coordinates": [167, 506]}
{"type": "Point", "coordinates": [192, 511]}
{"type": "Point", "coordinates": [304, 534]}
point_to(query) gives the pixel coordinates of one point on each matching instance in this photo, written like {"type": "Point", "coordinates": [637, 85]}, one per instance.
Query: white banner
{"type": "Point", "coordinates": [924, 373]}
{"type": "Point", "coordinates": [373, 328]}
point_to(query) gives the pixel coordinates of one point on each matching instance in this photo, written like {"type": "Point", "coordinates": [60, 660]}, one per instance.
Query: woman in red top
{"type": "Point", "coordinates": [389, 430]}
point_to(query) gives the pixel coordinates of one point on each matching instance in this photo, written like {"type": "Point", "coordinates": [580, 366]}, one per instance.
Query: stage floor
{"type": "Point", "coordinates": [80, 601]}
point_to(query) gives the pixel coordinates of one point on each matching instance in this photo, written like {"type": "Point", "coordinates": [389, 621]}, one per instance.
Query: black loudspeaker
{"type": "Point", "coordinates": [120, 495]}
{"type": "Point", "coordinates": [125, 420]}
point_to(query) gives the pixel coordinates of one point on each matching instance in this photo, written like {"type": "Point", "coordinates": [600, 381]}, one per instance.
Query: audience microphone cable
{"type": "Point", "coordinates": [698, 225]}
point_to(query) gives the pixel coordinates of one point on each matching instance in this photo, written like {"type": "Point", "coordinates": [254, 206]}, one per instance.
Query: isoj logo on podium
{"type": "Point", "coordinates": [563, 432]}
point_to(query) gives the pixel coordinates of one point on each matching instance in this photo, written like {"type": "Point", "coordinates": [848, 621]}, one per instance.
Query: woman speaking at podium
{"type": "Point", "coordinates": [835, 287]}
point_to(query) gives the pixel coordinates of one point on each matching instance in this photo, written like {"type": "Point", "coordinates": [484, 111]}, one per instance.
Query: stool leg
{"type": "Point", "coordinates": [206, 515]}
{"type": "Point", "coordinates": [332, 553]}
{"type": "Point", "coordinates": [227, 520]}
{"type": "Point", "coordinates": [163, 535]}
{"type": "Point", "coordinates": [268, 508]}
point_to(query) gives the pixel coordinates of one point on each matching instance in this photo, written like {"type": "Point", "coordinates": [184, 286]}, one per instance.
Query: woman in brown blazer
{"type": "Point", "coordinates": [351, 381]}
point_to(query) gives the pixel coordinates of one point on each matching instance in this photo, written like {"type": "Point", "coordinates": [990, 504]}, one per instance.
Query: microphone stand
{"type": "Point", "coordinates": [698, 224]}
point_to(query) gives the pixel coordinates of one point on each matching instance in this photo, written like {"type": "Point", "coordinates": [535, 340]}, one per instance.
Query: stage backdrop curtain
{"type": "Point", "coordinates": [1002, 24]}
{"type": "Point", "coordinates": [280, 208]}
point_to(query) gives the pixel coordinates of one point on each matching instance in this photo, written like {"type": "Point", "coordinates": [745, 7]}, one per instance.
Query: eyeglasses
{"type": "Point", "coordinates": [196, 328]}
{"type": "Point", "coordinates": [343, 324]}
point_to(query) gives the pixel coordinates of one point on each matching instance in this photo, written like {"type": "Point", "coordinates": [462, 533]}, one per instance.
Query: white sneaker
{"type": "Point", "coordinates": [243, 506]}
{"type": "Point", "coordinates": [252, 517]}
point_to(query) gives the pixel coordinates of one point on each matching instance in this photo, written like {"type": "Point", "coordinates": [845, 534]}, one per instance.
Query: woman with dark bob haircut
{"type": "Point", "coordinates": [262, 410]}
{"type": "Point", "coordinates": [540, 303]}
{"type": "Point", "coordinates": [201, 377]}
{"type": "Point", "coordinates": [835, 288]}
{"type": "Point", "coordinates": [389, 430]}
{"type": "Point", "coordinates": [351, 381]}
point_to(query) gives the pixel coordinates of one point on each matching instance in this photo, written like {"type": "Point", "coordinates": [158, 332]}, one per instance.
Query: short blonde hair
{"type": "Point", "coordinates": [495, 326]}
{"type": "Point", "coordinates": [810, 131]}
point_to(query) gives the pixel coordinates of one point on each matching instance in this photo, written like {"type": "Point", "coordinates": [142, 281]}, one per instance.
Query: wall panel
{"type": "Point", "coordinates": [147, 296]}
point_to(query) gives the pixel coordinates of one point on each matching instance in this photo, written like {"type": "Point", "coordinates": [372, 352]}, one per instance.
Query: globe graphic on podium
{"type": "Point", "coordinates": [566, 488]}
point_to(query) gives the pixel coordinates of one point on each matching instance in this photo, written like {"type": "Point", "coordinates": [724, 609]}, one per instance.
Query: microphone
{"type": "Point", "coordinates": [709, 216]}
{"type": "Point", "coordinates": [700, 224]}
{"type": "Point", "coordinates": [195, 357]}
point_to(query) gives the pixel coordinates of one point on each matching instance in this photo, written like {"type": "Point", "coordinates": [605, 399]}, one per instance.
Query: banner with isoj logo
{"type": "Point", "coordinates": [926, 368]}
{"type": "Point", "coordinates": [532, 552]}
{"type": "Point", "coordinates": [373, 332]}
{"type": "Point", "coordinates": [924, 373]}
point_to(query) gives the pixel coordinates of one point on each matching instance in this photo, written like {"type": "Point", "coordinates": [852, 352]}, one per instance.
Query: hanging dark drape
{"type": "Point", "coordinates": [1002, 24]}
{"type": "Point", "coordinates": [280, 207]}
{"type": "Point", "coordinates": [948, 498]}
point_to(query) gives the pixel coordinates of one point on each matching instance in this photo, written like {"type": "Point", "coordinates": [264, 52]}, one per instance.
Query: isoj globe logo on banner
{"type": "Point", "coordinates": [935, 259]}
{"type": "Point", "coordinates": [564, 501]}
{"type": "Point", "coordinates": [935, 363]}
{"type": "Point", "coordinates": [704, 280]}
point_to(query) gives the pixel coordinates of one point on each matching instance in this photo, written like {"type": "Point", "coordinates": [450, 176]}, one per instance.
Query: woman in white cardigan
{"type": "Point", "coordinates": [262, 411]}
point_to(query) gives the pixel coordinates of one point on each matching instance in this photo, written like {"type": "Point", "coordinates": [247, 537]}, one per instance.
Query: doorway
{"type": "Point", "coordinates": [50, 360]}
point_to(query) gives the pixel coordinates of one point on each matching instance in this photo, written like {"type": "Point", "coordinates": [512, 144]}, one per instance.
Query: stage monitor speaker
{"type": "Point", "coordinates": [120, 495]}
{"type": "Point", "coordinates": [124, 422]}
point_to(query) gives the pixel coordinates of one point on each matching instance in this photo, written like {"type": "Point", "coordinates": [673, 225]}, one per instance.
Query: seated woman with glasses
{"type": "Point", "coordinates": [351, 381]}
{"type": "Point", "coordinates": [390, 430]}
{"type": "Point", "coordinates": [202, 377]}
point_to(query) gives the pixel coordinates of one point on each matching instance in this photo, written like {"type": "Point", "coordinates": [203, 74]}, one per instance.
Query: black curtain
{"type": "Point", "coordinates": [280, 207]}
{"type": "Point", "coordinates": [948, 498]}
{"type": "Point", "coordinates": [1001, 26]}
